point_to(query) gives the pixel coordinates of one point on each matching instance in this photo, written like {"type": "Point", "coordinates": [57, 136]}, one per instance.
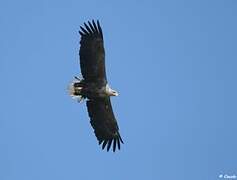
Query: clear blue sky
{"type": "Point", "coordinates": [173, 63]}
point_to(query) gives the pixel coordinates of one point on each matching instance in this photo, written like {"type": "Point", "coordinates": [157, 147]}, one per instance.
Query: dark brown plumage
{"type": "Point", "coordinates": [94, 86]}
{"type": "Point", "coordinates": [92, 53]}
{"type": "Point", "coordinates": [104, 122]}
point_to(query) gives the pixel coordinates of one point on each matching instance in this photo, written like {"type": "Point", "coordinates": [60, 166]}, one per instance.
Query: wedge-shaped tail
{"type": "Point", "coordinates": [75, 89]}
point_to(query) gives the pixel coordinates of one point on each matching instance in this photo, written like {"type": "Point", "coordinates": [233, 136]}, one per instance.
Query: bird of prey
{"type": "Point", "coordinates": [93, 86]}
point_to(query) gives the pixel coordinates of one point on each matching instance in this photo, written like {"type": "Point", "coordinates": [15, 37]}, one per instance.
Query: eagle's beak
{"type": "Point", "coordinates": [115, 93]}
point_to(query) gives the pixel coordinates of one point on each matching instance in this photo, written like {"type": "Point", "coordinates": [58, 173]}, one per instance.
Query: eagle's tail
{"type": "Point", "coordinates": [75, 89]}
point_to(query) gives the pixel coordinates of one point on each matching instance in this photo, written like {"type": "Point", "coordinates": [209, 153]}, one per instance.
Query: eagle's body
{"type": "Point", "coordinates": [91, 90]}
{"type": "Point", "coordinates": [94, 86]}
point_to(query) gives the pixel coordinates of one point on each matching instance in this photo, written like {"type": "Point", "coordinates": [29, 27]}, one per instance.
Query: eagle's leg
{"type": "Point", "coordinates": [77, 78]}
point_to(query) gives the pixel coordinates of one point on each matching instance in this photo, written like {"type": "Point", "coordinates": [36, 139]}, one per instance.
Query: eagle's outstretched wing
{"type": "Point", "coordinates": [104, 123]}
{"type": "Point", "coordinates": [92, 53]}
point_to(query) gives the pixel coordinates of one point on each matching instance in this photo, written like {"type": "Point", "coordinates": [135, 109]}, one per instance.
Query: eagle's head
{"type": "Point", "coordinates": [110, 92]}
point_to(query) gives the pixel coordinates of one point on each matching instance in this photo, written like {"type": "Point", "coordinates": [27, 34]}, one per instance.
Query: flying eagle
{"type": "Point", "coordinates": [93, 86]}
